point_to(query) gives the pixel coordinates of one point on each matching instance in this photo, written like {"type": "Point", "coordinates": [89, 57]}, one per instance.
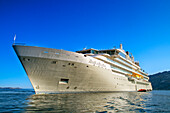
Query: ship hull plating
{"type": "Point", "coordinates": [59, 71]}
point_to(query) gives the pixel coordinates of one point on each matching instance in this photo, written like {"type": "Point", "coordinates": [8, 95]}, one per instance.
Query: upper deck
{"type": "Point", "coordinates": [114, 53]}
{"type": "Point", "coordinates": [111, 52]}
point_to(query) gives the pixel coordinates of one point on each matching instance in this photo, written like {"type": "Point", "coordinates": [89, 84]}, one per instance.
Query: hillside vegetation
{"type": "Point", "coordinates": [160, 81]}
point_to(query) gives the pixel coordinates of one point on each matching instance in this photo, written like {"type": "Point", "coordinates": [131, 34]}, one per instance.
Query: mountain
{"type": "Point", "coordinates": [10, 88]}
{"type": "Point", "coordinates": [160, 81]}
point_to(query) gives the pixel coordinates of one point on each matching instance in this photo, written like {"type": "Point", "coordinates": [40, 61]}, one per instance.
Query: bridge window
{"type": "Point", "coordinates": [121, 54]}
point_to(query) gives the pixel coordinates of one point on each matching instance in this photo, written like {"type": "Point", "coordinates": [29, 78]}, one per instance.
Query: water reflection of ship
{"type": "Point", "coordinates": [88, 70]}
{"type": "Point", "coordinates": [88, 102]}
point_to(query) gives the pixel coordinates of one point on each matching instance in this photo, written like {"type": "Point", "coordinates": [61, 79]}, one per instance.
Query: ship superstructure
{"type": "Point", "coordinates": [88, 70]}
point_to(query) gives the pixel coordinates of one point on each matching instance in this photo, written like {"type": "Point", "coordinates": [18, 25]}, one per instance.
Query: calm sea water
{"type": "Point", "coordinates": [24, 100]}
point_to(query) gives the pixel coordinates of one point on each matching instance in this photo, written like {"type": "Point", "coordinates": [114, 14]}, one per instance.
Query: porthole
{"type": "Point", "coordinates": [87, 66]}
{"type": "Point", "coordinates": [85, 55]}
{"type": "Point", "coordinates": [37, 87]}
{"type": "Point", "coordinates": [26, 59]}
{"type": "Point", "coordinates": [72, 64]}
{"type": "Point", "coordinates": [64, 65]}
{"type": "Point", "coordinates": [75, 87]}
{"type": "Point", "coordinates": [68, 87]}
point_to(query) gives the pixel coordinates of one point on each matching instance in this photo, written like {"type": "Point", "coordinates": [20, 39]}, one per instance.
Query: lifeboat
{"type": "Point", "coordinates": [142, 90]}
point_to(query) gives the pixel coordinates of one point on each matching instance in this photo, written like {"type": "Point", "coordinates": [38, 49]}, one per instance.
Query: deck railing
{"type": "Point", "coordinates": [23, 44]}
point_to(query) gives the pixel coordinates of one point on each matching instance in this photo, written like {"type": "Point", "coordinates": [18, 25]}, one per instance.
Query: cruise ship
{"type": "Point", "coordinates": [52, 71]}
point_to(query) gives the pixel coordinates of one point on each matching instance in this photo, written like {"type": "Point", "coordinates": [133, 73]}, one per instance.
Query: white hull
{"type": "Point", "coordinates": [46, 67]}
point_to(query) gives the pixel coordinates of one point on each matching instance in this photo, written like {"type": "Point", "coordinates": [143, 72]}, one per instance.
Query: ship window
{"type": "Point", "coordinates": [45, 51]}
{"type": "Point", "coordinates": [63, 81]}
{"type": "Point", "coordinates": [68, 87]}
{"type": "Point", "coordinates": [95, 52]}
{"type": "Point", "coordinates": [75, 87]}
{"type": "Point", "coordinates": [37, 87]}
{"type": "Point", "coordinates": [121, 54]}
{"type": "Point", "coordinates": [68, 63]}
{"type": "Point", "coordinates": [112, 52]}
{"type": "Point", "coordinates": [108, 52]}
{"type": "Point", "coordinates": [64, 65]}
{"type": "Point", "coordinates": [84, 55]}
{"type": "Point", "coordinates": [54, 62]}
{"type": "Point", "coordinates": [89, 51]}
{"type": "Point", "coordinates": [92, 51]}
{"type": "Point", "coordinates": [87, 66]}
{"type": "Point", "coordinates": [72, 64]}
{"type": "Point", "coordinates": [26, 59]}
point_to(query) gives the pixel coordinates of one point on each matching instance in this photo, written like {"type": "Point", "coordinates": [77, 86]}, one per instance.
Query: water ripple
{"type": "Point", "coordinates": [27, 101]}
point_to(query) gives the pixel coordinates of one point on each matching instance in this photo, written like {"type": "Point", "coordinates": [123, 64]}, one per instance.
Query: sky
{"type": "Point", "coordinates": [142, 26]}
